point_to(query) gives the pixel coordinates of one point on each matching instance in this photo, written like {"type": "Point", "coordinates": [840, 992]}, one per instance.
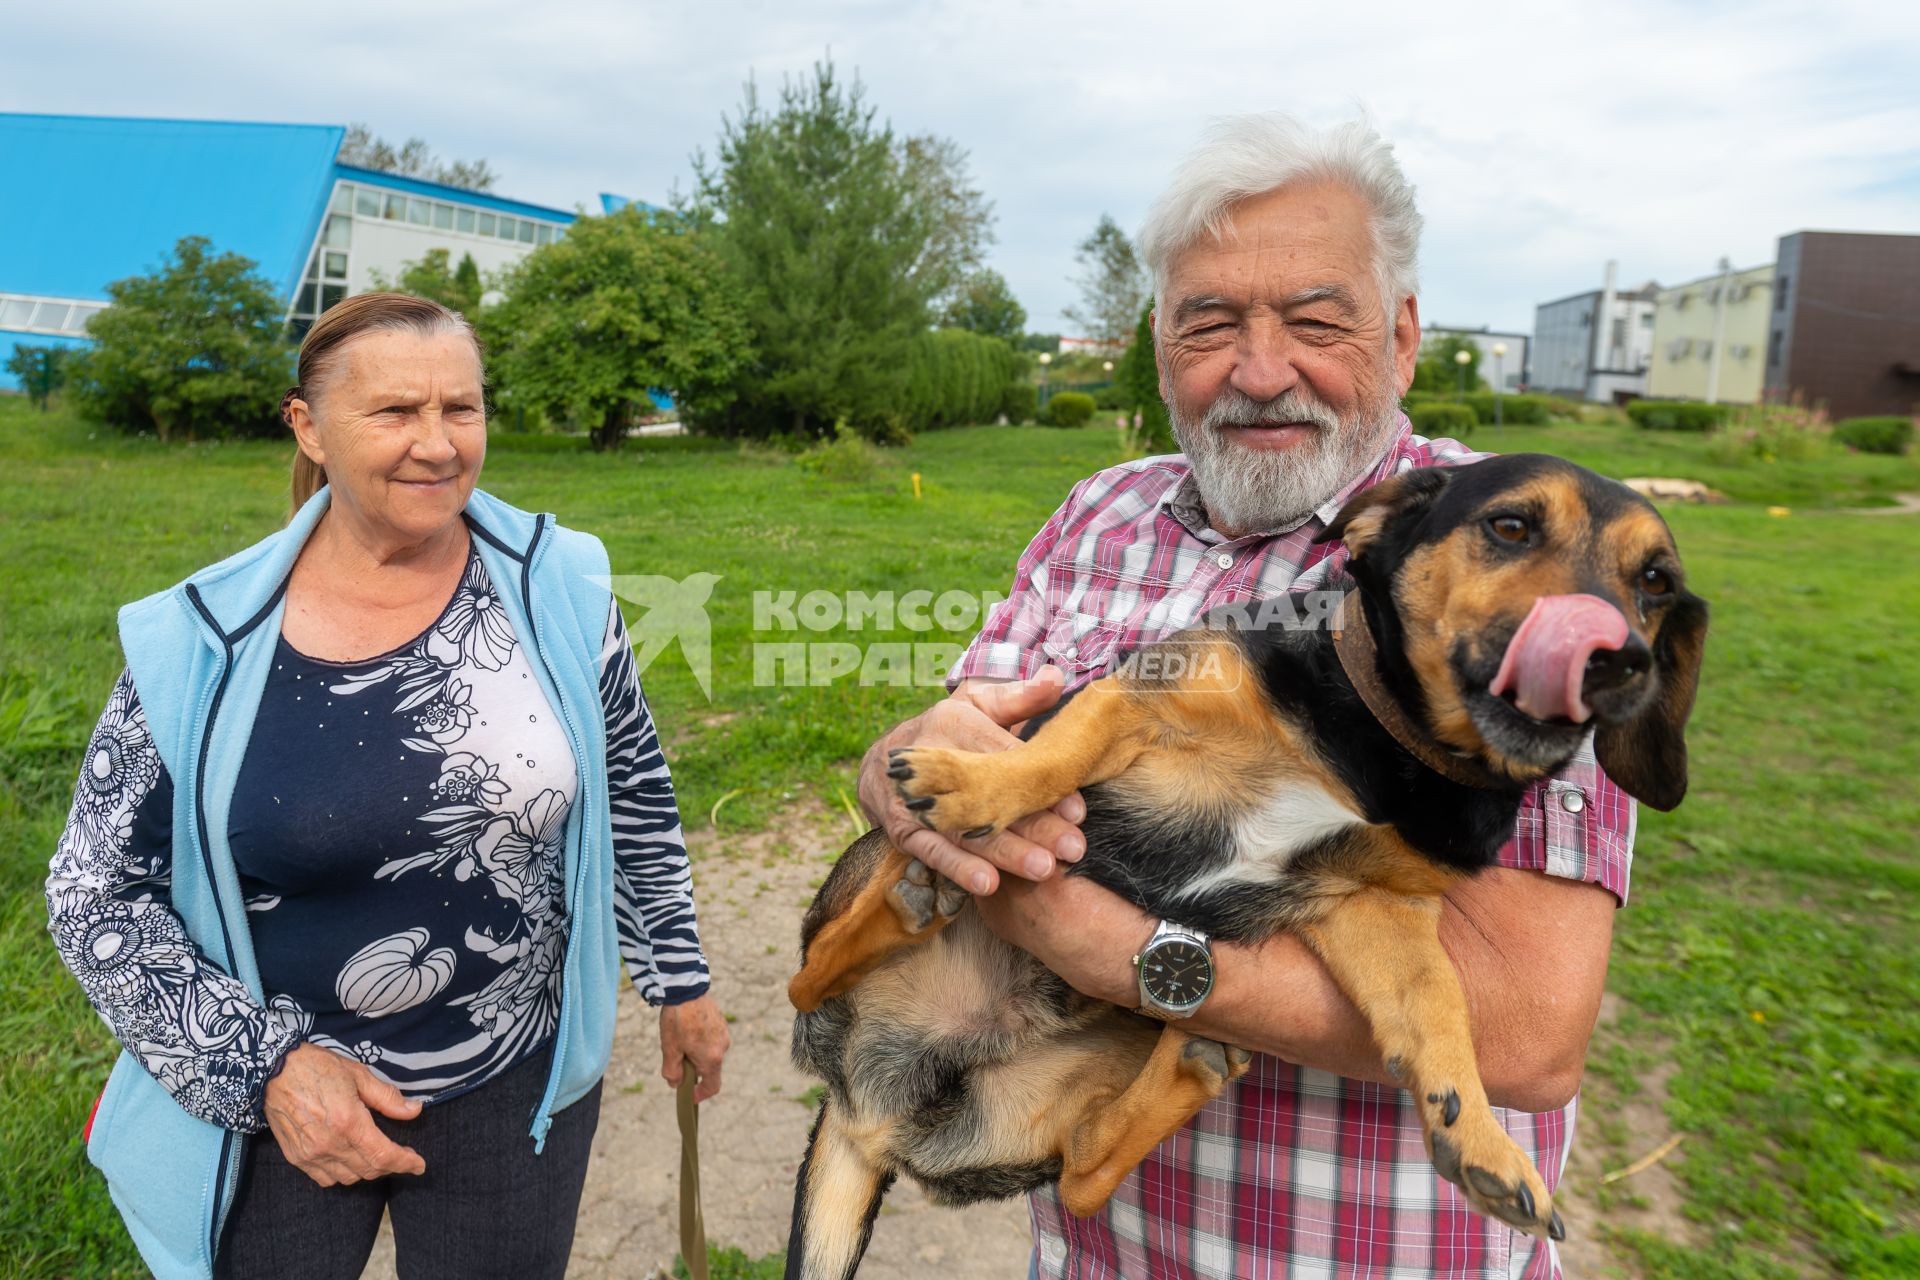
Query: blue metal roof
{"type": "Point", "coordinates": [453, 195]}
{"type": "Point", "coordinates": [92, 199]}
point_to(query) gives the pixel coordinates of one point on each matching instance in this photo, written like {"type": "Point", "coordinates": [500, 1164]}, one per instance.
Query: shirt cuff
{"type": "Point", "coordinates": [1557, 832]}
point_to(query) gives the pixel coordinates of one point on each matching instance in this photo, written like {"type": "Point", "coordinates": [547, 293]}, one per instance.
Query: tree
{"type": "Point", "coordinates": [1438, 369]}
{"type": "Point", "coordinates": [936, 169]}
{"type": "Point", "coordinates": [984, 304]}
{"type": "Point", "coordinates": [412, 159]}
{"type": "Point", "coordinates": [816, 213]}
{"type": "Point", "coordinates": [1112, 284]}
{"type": "Point", "coordinates": [620, 305]}
{"type": "Point", "coordinates": [41, 371]}
{"type": "Point", "coordinates": [1137, 375]}
{"type": "Point", "coordinates": [459, 288]}
{"type": "Point", "coordinates": [196, 349]}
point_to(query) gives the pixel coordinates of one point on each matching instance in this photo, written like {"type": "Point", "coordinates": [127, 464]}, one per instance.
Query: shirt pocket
{"type": "Point", "coordinates": [1080, 644]}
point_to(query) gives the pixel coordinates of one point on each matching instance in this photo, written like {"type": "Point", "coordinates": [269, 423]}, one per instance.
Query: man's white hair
{"type": "Point", "coordinates": [1242, 156]}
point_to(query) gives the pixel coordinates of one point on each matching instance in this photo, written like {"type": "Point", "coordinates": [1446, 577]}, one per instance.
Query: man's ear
{"type": "Point", "coordinates": [1370, 511]}
{"type": "Point", "coordinates": [1647, 755]}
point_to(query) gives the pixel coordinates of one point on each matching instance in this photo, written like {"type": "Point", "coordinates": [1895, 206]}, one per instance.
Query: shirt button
{"type": "Point", "coordinates": [1573, 801]}
{"type": "Point", "coordinates": [1224, 560]}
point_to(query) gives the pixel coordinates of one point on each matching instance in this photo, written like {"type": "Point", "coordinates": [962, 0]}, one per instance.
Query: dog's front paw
{"type": "Point", "coordinates": [1473, 1152]}
{"type": "Point", "coordinates": [945, 790]}
{"type": "Point", "coordinates": [922, 898]}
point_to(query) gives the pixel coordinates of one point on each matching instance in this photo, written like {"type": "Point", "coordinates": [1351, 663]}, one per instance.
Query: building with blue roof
{"type": "Point", "coordinates": [89, 200]}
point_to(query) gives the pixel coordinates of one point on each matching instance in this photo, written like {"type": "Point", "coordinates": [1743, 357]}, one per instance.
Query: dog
{"type": "Point", "coordinates": [1246, 777]}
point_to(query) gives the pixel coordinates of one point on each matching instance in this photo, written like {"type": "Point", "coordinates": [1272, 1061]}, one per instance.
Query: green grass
{"type": "Point", "coordinates": [1785, 886]}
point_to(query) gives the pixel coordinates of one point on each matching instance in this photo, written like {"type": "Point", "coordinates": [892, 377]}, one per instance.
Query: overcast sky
{"type": "Point", "coordinates": [1544, 138]}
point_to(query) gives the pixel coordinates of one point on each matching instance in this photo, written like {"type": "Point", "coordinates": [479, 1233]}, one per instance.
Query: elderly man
{"type": "Point", "coordinates": [1286, 329]}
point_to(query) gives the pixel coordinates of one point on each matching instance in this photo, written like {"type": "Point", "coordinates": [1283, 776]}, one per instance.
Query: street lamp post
{"type": "Point", "coordinates": [1499, 359]}
{"type": "Point", "coordinates": [1463, 358]}
{"type": "Point", "coordinates": [1046, 358]}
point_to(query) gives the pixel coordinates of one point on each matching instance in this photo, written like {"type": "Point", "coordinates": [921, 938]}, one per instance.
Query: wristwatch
{"type": "Point", "coordinates": [1175, 969]}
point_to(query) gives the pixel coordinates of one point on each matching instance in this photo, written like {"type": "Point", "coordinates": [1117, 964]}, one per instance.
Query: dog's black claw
{"type": "Point", "coordinates": [1487, 1183]}
{"type": "Point", "coordinates": [977, 833]}
{"type": "Point", "coordinates": [1452, 1112]}
{"type": "Point", "coordinates": [900, 772]}
{"type": "Point", "coordinates": [895, 752]}
{"type": "Point", "coordinates": [920, 803]}
{"type": "Point", "coordinates": [1556, 1228]}
{"type": "Point", "coordinates": [1525, 1196]}
{"type": "Point", "coordinates": [1446, 1158]}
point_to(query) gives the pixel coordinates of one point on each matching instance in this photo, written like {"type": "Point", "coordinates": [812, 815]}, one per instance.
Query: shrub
{"type": "Point", "coordinates": [1112, 396]}
{"type": "Point", "coordinates": [41, 371]}
{"type": "Point", "coordinates": [1678, 415]}
{"type": "Point", "coordinates": [197, 349]}
{"type": "Point", "coordinates": [1875, 435]}
{"type": "Point", "coordinates": [1020, 402]}
{"type": "Point", "coordinates": [955, 377]}
{"type": "Point", "coordinates": [846, 457]}
{"type": "Point", "coordinates": [1440, 418]}
{"type": "Point", "coordinates": [1514, 410]}
{"type": "Point", "coordinates": [1069, 409]}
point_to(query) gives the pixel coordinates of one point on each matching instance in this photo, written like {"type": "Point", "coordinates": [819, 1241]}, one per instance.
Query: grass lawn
{"type": "Point", "coordinates": [1772, 950]}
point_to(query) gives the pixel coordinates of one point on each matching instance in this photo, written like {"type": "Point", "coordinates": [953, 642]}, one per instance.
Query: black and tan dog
{"type": "Point", "coordinates": [1247, 778]}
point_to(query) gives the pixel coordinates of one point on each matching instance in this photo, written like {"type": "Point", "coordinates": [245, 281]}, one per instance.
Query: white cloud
{"type": "Point", "coordinates": [1544, 138]}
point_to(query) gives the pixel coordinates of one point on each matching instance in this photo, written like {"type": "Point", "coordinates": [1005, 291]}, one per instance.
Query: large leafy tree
{"type": "Point", "coordinates": [1112, 283]}
{"type": "Point", "coordinates": [1438, 369]}
{"type": "Point", "coordinates": [196, 349]}
{"type": "Point", "coordinates": [984, 304]}
{"type": "Point", "coordinates": [413, 159]}
{"type": "Point", "coordinates": [431, 277]}
{"type": "Point", "coordinates": [961, 216]}
{"type": "Point", "coordinates": [620, 305]}
{"type": "Point", "coordinates": [820, 212]}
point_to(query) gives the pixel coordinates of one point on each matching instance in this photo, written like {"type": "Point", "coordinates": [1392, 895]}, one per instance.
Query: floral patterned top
{"type": "Point", "coordinates": [398, 829]}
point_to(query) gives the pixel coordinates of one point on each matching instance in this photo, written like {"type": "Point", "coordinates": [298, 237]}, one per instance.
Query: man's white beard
{"type": "Point", "coordinates": [1253, 490]}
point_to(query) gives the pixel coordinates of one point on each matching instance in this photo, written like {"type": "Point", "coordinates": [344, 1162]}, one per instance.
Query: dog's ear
{"type": "Point", "coordinates": [1647, 755]}
{"type": "Point", "coordinates": [1368, 512]}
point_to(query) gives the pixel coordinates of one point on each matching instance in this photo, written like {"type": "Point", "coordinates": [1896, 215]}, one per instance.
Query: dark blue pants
{"type": "Point", "coordinates": [486, 1206]}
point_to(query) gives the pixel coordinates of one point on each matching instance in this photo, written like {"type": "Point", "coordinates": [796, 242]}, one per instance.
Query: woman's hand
{"type": "Point", "coordinates": [697, 1031]}
{"type": "Point", "coordinates": [318, 1107]}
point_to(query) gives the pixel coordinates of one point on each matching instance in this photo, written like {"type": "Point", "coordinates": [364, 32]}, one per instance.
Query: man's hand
{"type": "Point", "coordinates": [978, 716]}
{"type": "Point", "coordinates": [318, 1108]}
{"type": "Point", "coordinates": [1083, 932]}
{"type": "Point", "coordinates": [695, 1031]}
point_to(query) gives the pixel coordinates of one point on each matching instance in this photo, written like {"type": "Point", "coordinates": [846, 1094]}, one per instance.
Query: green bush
{"type": "Point", "coordinates": [1678, 415]}
{"type": "Point", "coordinates": [956, 377]}
{"type": "Point", "coordinates": [41, 371]}
{"type": "Point", "coordinates": [1112, 396]}
{"type": "Point", "coordinates": [1020, 402]}
{"type": "Point", "coordinates": [1875, 435]}
{"type": "Point", "coordinates": [1441, 418]}
{"type": "Point", "coordinates": [1069, 409]}
{"type": "Point", "coordinates": [1514, 410]}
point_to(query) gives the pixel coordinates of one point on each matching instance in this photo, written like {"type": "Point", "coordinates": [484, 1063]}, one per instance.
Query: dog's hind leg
{"type": "Point", "coordinates": [835, 1201]}
{"type": "Point", "coordinates": [898, 902]}
{"type": "Point", "coordinates": [1383, 949]}
{"type": "Point", "coordinates": [1111, 1137]}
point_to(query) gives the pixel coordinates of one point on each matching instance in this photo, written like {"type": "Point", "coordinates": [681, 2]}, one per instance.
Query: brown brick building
{"type": "Point", "coordinates": [1845, 330]}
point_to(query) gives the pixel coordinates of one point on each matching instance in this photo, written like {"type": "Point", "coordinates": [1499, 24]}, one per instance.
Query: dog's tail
{"type": "Point", "coordinates": [835, 1200]}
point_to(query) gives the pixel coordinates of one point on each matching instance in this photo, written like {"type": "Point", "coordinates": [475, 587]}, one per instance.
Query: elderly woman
{"type": "Point", "coordinates": [368, 825]}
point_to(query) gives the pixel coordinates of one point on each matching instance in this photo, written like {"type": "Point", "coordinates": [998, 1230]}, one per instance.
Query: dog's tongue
{"type": "Point", "coordinates": [1546, 661]}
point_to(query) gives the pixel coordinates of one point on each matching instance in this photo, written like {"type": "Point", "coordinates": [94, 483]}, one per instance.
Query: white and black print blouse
{"type": "Point", "coordinates": [398, 828]}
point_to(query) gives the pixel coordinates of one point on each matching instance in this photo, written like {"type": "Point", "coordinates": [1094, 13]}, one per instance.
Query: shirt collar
{"type": "Point", "coordinates": [1183, 502]}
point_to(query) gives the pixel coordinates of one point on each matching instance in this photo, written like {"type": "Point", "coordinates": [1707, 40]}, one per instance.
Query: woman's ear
{"type": "Point", "coordinates": [1647, 755]}
{"type": "Point", "coordinates": [298, 415]}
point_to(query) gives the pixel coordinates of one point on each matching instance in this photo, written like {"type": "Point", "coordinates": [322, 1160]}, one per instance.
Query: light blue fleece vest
{"type": "Point", "coordinates": [199, 654]}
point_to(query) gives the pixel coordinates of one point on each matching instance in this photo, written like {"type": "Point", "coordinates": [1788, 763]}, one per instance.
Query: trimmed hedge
{"type": "Point", "coordinates": [1442, 418]}
{"type": "Point", "coordinates": [1069, 409]}
{"type": "Point", "coordinates": [1021, 402]}
{"type": "Point", "coordinates": [955, 377]}
{"type": "Point", "coordinates": [1515, 410]}
{"type": "Point", "coordinates": [1678, 415]}
{"type": "Point", "coordinates": [1875, 435]}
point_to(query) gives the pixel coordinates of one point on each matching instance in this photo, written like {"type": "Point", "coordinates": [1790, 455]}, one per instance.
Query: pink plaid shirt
{"type": "Point", "coordinates": [1292, 1171]}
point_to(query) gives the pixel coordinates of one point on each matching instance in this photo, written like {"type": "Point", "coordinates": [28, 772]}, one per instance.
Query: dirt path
{"type": "Point", "coordinates": [751, 892]}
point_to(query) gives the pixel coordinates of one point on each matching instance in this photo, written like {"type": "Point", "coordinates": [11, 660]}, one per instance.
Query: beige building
{"type": "Point", "coordinates": [1707, 346]}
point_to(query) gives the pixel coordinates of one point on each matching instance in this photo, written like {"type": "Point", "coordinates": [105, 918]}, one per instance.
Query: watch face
{"type": "Point", "coordinates": [1177, 973]}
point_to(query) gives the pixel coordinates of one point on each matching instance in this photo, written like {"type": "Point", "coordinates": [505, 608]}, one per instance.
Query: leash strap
{"type": "Point", "coordinates": [693, 1227]}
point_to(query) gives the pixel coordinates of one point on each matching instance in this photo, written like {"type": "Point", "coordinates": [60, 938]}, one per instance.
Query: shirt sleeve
{"type": "Point", "coordinates": [1008, 646]}
{"type": "Point", "coordinates": [1577, 824]}
{"type": "Point", "coordinates": [652, 881]}
{"type": "Point", "coordinates": [194, 1027]}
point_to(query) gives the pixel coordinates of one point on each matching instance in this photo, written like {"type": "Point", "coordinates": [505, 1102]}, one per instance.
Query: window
{"type": "Point", "coordinates": [463, 221]}
{"type": "Point", "coordinates": [305, 301]}
{"type": "Point", "coordinates": [366, 203]}
{"type": "Point", "coordinates": [342, 198]}
{"type": "Point", "coordinates": [419, 212]}
{"type": "Point", "coordinates": [443, 216]}
{"type": "Point", "coordinates": [339, 233]}
{"type": "Point", "coordinates": [509, 227]}
{"type": "Point", "coordinates": [1779, 304]}
{"type": "Point", "coordinates": [486, 224]}
{"type": "Point", "coordinates": [396, 208]}
{"type": "Point", "coordinates": [526, 232]}
{"type": "Point", "coordinates": [15, 313]}
{"type": "Point", "coordinates": [331, 294]}
{"type": "Point", "coordinates": [543, 234]}
{"type": "Point", "coordinates": [51, 315]}
{"type": "Point", "coordinates": [1773, 348]}
{"type": "Point", "coordinates": [82, 313]}
{"type": "Point", "coordinates": [336, 266]}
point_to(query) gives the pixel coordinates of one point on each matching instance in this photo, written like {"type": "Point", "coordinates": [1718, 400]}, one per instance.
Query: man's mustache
{"type": "Point", "coordinates": [1237, 409]}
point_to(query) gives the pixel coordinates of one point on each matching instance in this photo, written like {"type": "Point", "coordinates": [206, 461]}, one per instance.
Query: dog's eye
{"type": "Point", "coordinates": [1509, 528]}
{"type": "Point", "coordinates": [1655, 582]}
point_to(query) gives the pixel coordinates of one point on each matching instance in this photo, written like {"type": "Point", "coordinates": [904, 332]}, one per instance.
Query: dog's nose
{"type": "Point", "coordinates": [1609, 669]}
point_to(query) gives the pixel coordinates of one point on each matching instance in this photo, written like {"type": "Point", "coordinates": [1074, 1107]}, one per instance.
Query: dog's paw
{"type": "Point", "coordinates": [1473, 1152]}
{"type": "Point", "coordinates": [945, 790]}
{"type": "Point", "coordinates": [921, 898]}
{"type": "Point", "coordinates": [1213, 1063]}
